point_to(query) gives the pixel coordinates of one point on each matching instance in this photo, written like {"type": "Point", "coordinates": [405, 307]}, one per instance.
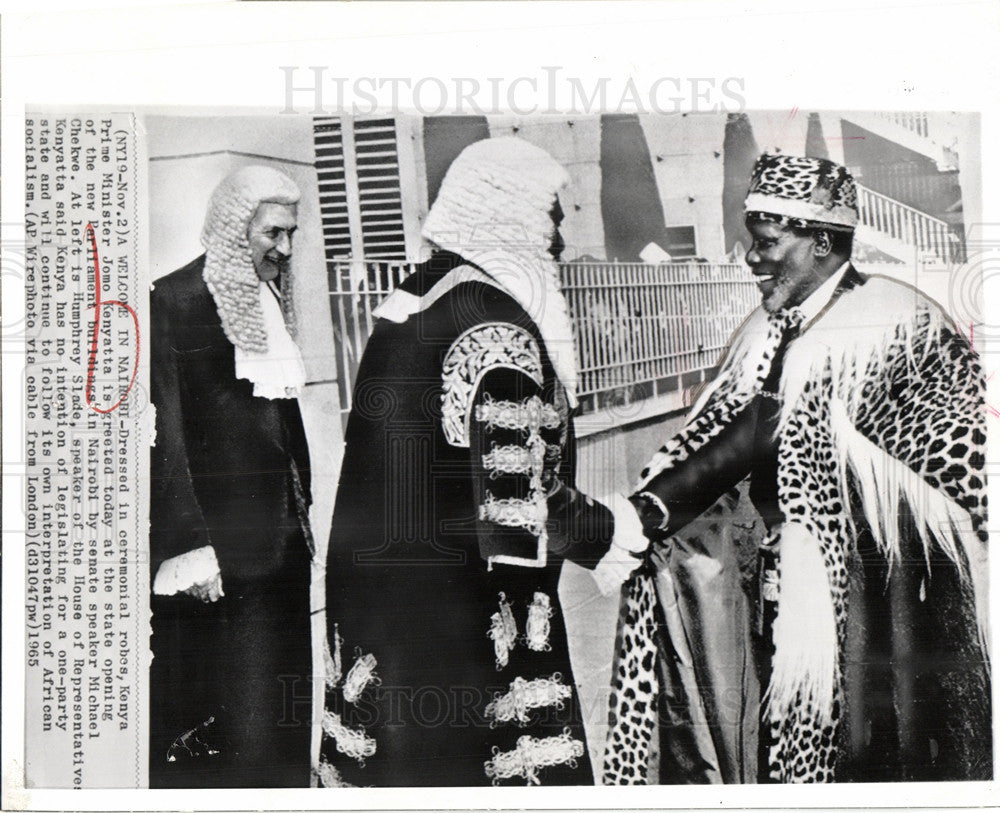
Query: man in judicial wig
{"type": "Point", "coordinates": [457, 507]}
{"type": "Point", "coordinates": [856, 409]}
{"type": "Point", "coordinates": [229, 532]}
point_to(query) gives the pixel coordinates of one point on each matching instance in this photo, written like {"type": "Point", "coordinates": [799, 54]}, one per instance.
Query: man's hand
{"type": "Point", "coordinates": [195, 573]}
{"type": "Point", "coordinates": [629, 533]}
{"type": "Point", "coordinates": [614, 569]}
{"type": "Point", "coordinates": [627, 546]}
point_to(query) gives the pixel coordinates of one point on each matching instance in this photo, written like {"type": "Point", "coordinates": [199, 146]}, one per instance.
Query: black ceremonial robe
{"type": "Point", "coordinates": [455, 511]}
{"type": "Point", "coordinates": [229, 470]}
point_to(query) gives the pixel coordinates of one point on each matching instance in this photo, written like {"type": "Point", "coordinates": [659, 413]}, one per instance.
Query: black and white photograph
{"type": "Point", "coordinates": [625, 449]}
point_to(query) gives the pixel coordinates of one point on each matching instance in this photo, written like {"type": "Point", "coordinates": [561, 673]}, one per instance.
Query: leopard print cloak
{"type": "Point", "coordinates": [882, 408]}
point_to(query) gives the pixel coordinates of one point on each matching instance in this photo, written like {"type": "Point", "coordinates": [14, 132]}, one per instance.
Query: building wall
{"type": "Point", "coordinates": [968, 145]}
{"type": "Point", "coordinates": [687, 162]}
{"type": "Point", "coordinates": [785, 130]}
{"type": "Point", "coordinates": [576, 144]}
{"type": "Point", "coordinates": [688, 166]}
{"type": "Point", "coordinates": [412, 179]}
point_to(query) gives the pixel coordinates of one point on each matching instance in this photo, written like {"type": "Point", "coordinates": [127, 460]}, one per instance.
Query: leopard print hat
{"type": "Point", "coordinates": [802, 192]}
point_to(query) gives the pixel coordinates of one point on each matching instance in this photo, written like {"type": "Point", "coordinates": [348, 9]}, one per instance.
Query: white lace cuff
{"type": "Point", "coordinates": [179, 573]}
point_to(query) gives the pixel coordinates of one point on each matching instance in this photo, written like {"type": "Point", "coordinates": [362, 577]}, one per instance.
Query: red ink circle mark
{"type": "Point", "coordinates": [92, 356]}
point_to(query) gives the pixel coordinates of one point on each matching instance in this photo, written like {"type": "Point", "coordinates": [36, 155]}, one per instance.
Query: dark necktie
{"type": "Point", "coordinates": [783, 327]}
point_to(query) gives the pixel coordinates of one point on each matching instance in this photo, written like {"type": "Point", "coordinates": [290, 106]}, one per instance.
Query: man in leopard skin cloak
{"type": "Point", "coordinates": [856, 410]}
{"type": "Point", "coordinates": [456, 506]}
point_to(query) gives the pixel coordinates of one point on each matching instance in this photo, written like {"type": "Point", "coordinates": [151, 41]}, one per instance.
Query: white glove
{"type": "Point", "coordinates": [196, 573]}
{"type": "Point", "coordinates": [618, 563]}
{"type": "Point", "coordinates": [614, 569]}
{"type": "Point", "coordinates": [628, 526]}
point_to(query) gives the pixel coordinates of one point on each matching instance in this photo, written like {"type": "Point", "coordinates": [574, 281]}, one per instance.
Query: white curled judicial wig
{"type": "Point", "coordinates": [265, 351]}
{"type": "Point", "coordinates": [494, 209]}
{"type": "Point", "coordinates": [229, 271]}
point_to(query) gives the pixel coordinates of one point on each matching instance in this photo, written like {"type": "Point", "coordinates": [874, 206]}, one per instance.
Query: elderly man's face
{"type": "Point", "coordinates": [270, 237]}
{"type": "Point", "coordinates": [784, 263]}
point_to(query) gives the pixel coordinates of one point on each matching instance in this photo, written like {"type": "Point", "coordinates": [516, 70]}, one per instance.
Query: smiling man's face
{"type": "Point", "coordinates": [270, 237]}
{"type": "Point", "coordinates": [784, 263]}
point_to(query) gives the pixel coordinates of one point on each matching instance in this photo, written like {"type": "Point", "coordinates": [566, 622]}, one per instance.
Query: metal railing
{"type": "Point", "coordinates": [905, 224]}
{"type": "Point", "coordinates": [640, 329]}
{"type": "Point", "coordinates": [642, 324]}
{"type": "Point", "coordinates": [356, 289]}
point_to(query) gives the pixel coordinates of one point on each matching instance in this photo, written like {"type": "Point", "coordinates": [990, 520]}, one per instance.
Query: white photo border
{"type": "Point", "coordinates": [878, 55]}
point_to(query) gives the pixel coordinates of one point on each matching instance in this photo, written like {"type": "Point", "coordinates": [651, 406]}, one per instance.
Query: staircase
{"type": "Point", "coordinates": [915, 131]}
{"type": "Point", "coordinates": [904, 233]}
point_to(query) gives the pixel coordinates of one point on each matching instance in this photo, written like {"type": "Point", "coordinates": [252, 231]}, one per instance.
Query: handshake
{"type": "Point", "coordinates": [627, 545]}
